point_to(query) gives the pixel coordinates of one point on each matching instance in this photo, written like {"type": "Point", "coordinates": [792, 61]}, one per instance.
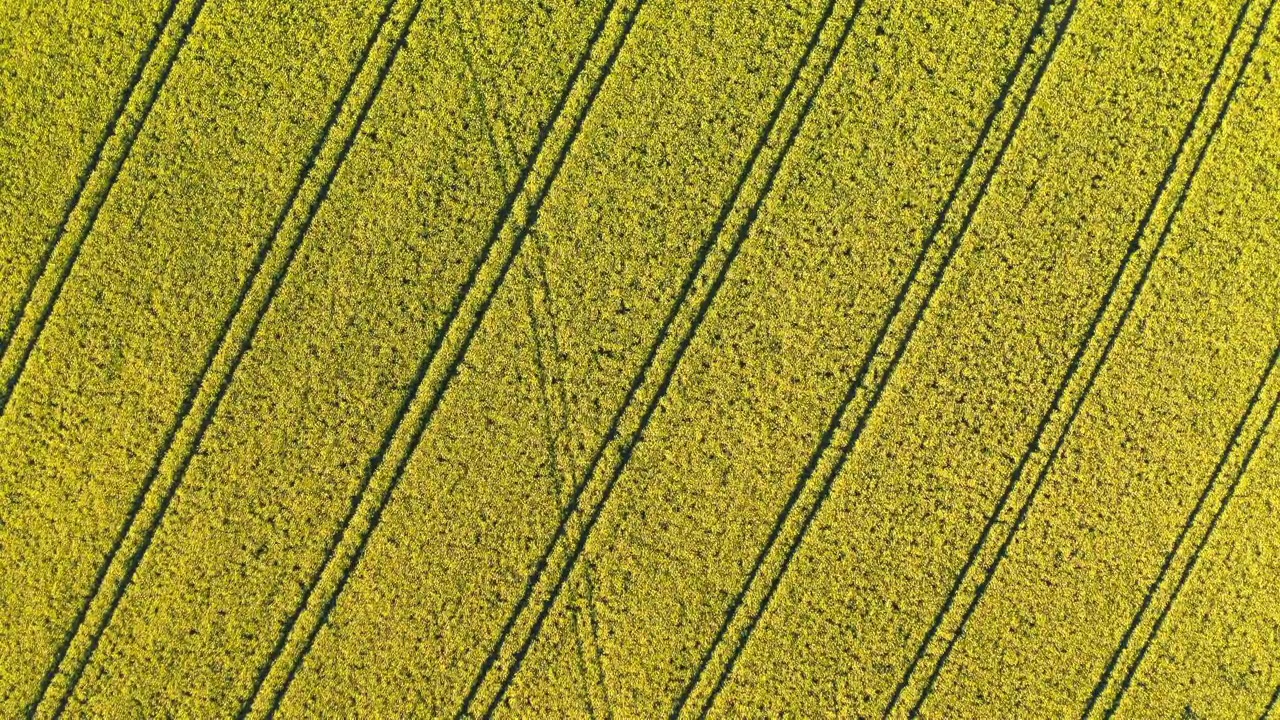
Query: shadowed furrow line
{"type": "Point", "coordinates": [118, 163]}
{"type": "Point", "coordinates": [634, 388]}
{"type": "Point", "coordinates": [1105, 353]}
{"type": "Point", "coordinates": [829, 433]}
{"type": "Point", "coordinates": [383, 497]}
{"type": "Point", "coordinates": [879, 388]}
{"type": "Point", "coordinates": [82, 181]}
{"type": "Point", "coordinates": [1103, 681]}
{"type": "Point", "coordinates": [223, 381]}
{"type": "Point", "coordinates": [1204, 540]}
{"type": "Point", "coordinates": [1271, 705]}
{"type": "Point", "coordinates": [97, 200]}
{"type": "Point", "coordinates": [638, 381]}
{"type": "Point", "coordinates": [388, 435]}
{"type": "Point", "coordinates": [583, 666]}
{"type": "Point", "coordinates": [1169, 558]}
{"type": "Point", "coordinates": [1043, 426]}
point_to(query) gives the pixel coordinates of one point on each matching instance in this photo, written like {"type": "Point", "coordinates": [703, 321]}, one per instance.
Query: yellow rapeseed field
{"type": "Point", "coordinates": [640, 358]}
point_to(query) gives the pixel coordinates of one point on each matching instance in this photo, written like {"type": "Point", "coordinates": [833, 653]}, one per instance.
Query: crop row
{"type": "Point", "coordinates": [1059, 222]}
{"type": "Point", "coordinates": [1217, 648]}
{"type": "Point", "coordinates": [66, 67]}
{"type": "Point", "coordinates": [645, 357]}
{"type": "Point", "coordinates": [1148, 440]}
{"type": "Point", "coordinates": [158, 279]}
{"type": "Point", "coordinates": [640, 201]}
{"type": "Point", "coordinates": [698, 496]}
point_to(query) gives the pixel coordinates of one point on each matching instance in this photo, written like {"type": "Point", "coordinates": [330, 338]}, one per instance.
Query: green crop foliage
{"type": "Point", "coordinates": [981, 372]}
{"type": "Point", "coordinates": [637, 197]}
{"type": "Point", "coordinates": [324, 397]}
{"type": "Point", "coordinates": [639, 358]}
{"type": "Point", "coordinates": [856, 200]}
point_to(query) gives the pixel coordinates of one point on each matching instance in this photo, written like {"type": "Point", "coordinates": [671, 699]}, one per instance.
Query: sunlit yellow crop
{"type": "Point", "coordinates": [639, 358]}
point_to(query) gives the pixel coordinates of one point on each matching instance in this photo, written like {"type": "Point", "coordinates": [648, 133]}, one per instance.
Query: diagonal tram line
{"type": "Point", "coordinates": [1134, 293]}
{"type": "Point", "coordinates": [1112, 663]}
{"type": "Point", "coordinates": [24, 348]}
{"type": "Point", "coordinates": [1204, 540]}
{"type": "Point", "coordinates": [150, 485]}
{"type": "Point", "coordinates": [1271, 704]}
{"type": "Point", "coordinates": [828, 435]}
{"type": "Point", "coordinates": [65, 271]}
{"type": "Point", "coordinates": [638, 381]}
{"type": "Point", "coordinates": [880, 387]}
{"type": "Point", "coordinates": [1171, 555]}
{"type": "Point", "coordinates": [363, 535]}
{"type": "Point", "coordinates": [1058, 397]}
{"type": "Point", "coordinates": [82, 181]}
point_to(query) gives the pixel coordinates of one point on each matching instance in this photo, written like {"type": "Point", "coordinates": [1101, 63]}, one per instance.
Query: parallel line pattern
{"type": "Point", "coordinates": [880, 388]}
{"type": "Point", "coordinates": [1201, 501]}
{"type": "Point", "coordinates": [82, 181]}
{"type": "Point", "coordinates": [379, 500]}
{"type": "Point", "coordinates": [582, 500]}
{"type": "Point", "coordinates": [65, 272]}
{"type": "Point", "coordinates": [1096, 370]}
{"type": "Point", "coordinates": [1199, 548]}
{"type": "Point", "coordinates": [24, 347]}
{"type": "Point", "coordinates": [829, 433]}
{"type": "Point", "coordinates": [636, 436]}
{"type": "Point", "coordinates": [222, 382]}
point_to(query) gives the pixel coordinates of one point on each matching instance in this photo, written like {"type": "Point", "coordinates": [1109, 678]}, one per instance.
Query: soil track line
{"type": "Point", "coordinates": [636, 436]}
{"type": "Point", "coordinates": [1236, 439]}
{"type": "Point", "coordinates": [82, 181]}
{"type": "Point", "coordinates": [150, 486]}
{"type": "Point", "coordinates": [1101, 361]}
{"type": "Point", "coordinates": [828, 435]}
{"type": "Point", "coordinates": [97, 200]}
{"type": "Point", "coordinates": [383, 497]}
{"type": "Point", "coordinates": [1059, 393]}
{"type": "Point", "coordinates": [1200, 546]}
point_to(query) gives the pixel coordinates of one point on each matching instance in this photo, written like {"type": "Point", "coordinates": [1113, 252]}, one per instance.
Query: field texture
{"type": "Point", "coordinates": [640, 358]}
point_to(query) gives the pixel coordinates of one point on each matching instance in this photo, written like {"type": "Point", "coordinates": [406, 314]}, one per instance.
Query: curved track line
{"type": "Point", "coordinates": [389, 434]}
{"type": "Point", "coordinates": [455, 308]}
